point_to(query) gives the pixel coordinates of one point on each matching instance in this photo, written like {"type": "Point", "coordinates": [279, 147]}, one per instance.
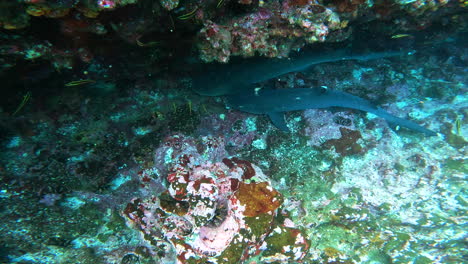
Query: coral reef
{"type": "Point", "coordinates": [107, 156]}
{"type": "Point", "coordinates": [277, 27]}
{"type": "Point", "coordinates": [272, 31]}
{"type": "Point", "coordinates": [78, 162]}
{"type": "Point", "coordinates": [223, 29]}
{"type": "Point", "coordinates": [220, 212]}
{"type": "Point", "coordinates": [53, 9]}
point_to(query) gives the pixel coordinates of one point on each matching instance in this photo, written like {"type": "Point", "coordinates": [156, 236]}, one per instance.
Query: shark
{"type": "Point", "coordinates": [220, 79]}
{"type": "Point", "coordinates": [236, 81]}
{"type": "Point", "coordinates": [275, 103]}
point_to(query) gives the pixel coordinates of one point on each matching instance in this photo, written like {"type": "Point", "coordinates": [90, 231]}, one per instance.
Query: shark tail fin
{"type": "Point", "coordinates": [400, 122]}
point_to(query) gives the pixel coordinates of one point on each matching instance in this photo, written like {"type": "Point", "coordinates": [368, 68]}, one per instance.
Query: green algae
{"type": "Point", "coordinates": [116, 221]}
{"type": "Point", "coordinates": [283, 240]}
{"type": "Point", "coordinates": [455, 140]}
{"type": "Point", "coordinates": [259, 225]}
{"type": "Point", "coordinates": [377, 256]}
{"type": "Point", "coordinates": [344, 230]}
{"type": "Point", "coordinates": [422, 260]}
{"type": "Point", "coordinates": [233, 253]}
{"type": "Point", "coordinates": [459, 165]}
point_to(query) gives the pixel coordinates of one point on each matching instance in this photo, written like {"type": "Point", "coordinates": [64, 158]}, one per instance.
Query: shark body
{"type": "Point", "coordinates": [275, 103]}
{"type": "Point", "coordinates": [219, 79]}
{"type": "Point", "coordinates": [236, 81]}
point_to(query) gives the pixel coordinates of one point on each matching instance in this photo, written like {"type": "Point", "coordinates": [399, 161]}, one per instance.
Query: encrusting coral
{"type": "Point", "coordinates": [222, 212]}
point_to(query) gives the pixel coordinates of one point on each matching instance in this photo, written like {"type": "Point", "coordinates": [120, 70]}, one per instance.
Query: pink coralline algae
{"type": "Point", "coordinates": [335, 131]}
{"type": "Point", "coordinates": [315, 20]}
{"type": "Point", "coordinates": [232, 128]}
{"type": "Point", "coordinates": [223, 212]}
{"type": "Point", "coordinates": [106, 4]}
{"type": "Point", "coordinates": [273, 31]}
{"type": "Point", "coordinates": [323, 125]}
{"type": "Point", "coordinates": [169, 4]}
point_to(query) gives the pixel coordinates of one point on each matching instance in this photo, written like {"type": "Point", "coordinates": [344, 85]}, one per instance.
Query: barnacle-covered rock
{"type": "Point", "coordinates": [272, 31]}
{"type": "Point", "coordinates": [222, 212]}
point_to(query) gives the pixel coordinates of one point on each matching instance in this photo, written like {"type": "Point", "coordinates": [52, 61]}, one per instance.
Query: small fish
{"type": "Point", "coordinates": [190, 106]}
{"type": "Point", "coordinates": [26, 98]}
{"type": "Point", "coordinates": [148, 44]}
{"type": "Point", "coordinates": [79, 82]}
{"type": "Point", "coordinates": [188, 15]}
{"type": "Point", "coordinates": [401, 36]}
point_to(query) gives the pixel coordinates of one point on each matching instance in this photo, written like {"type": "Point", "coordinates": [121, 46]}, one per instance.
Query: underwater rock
{"type": "Point", "coordinates": [273, 31]}
{"type": "Point", "coordinates": [223, 212]}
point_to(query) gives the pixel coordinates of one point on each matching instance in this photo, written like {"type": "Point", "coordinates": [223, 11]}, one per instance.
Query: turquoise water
{"type": "Point", "coordinates": [118, 159]}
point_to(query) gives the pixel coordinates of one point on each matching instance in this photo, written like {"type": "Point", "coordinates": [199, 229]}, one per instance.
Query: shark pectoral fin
{"type": "Point", "coordinates": [277, 118]}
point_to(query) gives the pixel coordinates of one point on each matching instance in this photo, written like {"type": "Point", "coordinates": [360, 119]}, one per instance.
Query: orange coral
{"type": "Point", "coordinates": [258, 198]}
